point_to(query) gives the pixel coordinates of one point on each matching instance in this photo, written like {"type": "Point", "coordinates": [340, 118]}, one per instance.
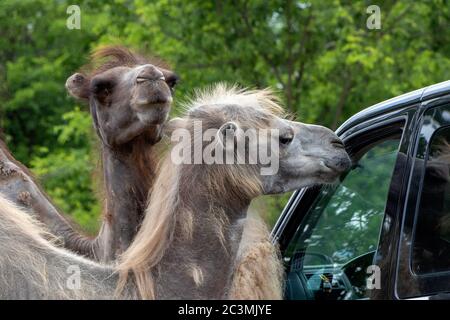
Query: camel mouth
{"type": "Point", "coordinates": [151, 96]}
{"type": "Point", "coordinates": [337, 165]}
{"type": "Point", "coordinates": [155, 114]}
{"type": "Point", "coordinates": [144, 104]}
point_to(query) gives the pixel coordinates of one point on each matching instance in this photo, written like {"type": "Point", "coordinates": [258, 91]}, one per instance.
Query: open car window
{"type": "Point", "coordinates": [335, 243]}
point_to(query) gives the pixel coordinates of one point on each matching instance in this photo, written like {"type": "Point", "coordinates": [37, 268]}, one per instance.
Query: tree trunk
{"type": "Point", "coordinates": [346, 87]}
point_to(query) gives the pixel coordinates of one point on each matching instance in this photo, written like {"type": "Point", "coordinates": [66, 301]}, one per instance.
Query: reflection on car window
{"type": "Point", "coordinates": [336, 241]}
{"type": "Point", "coordinates": [431, 251]}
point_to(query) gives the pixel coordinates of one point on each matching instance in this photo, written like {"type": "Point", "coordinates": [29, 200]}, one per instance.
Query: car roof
{"type": "Point", "coordinates": [395, 103]}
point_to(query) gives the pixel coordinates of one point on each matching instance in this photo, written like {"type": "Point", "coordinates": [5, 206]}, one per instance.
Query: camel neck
{"type": "Point", "coordinates": [126, 190]}
{"type": "Point", "coordinates": [201, 265]}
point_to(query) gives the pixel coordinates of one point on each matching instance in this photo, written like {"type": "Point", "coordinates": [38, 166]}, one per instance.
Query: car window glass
{"type": "Point", "coordinates": [431, 249]}
{"type": "Point", "coordinates": [336, 240]}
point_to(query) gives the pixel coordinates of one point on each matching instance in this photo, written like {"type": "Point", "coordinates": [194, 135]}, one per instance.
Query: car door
{"type": "Point", "coordinates": [424, 255]}
{"type": "Point", "coordinates": [337, 240]}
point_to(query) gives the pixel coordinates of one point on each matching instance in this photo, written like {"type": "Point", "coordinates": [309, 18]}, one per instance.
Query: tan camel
{"type": "Point", "coordinates": [188, 244]}
{"type": "Point", "coordinates": [129, 98]}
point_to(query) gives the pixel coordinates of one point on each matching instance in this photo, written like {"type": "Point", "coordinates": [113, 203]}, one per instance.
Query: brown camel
{"type": "Point", "coordinates": [188, 244]}
{"type": "Point", "coordinates": [129, 98]}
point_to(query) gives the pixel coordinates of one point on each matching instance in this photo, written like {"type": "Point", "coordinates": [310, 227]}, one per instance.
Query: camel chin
{"type": "Point", "coordinates": [154, 115]}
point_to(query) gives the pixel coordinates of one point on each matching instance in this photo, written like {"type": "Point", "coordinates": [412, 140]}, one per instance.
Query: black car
{"type": "Point", "coordinates": [382, 231]}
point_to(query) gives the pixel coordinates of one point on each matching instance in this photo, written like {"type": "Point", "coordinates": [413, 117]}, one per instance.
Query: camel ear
{"type": "Point", "coordinates": [228, 132]}
{"type": "Point", "coordinates": [173, 124]}
{"type": "Point", "coordinates": [78, 86]}
{"type": "Point", "coordinates": [228, 129]}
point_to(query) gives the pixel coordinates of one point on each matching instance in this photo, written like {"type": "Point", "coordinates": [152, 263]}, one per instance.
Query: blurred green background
{"type": "Point", "coordinates": [320, 56]}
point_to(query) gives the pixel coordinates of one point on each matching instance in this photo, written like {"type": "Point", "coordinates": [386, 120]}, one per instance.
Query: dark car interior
{"type": "Point", "coordinates": [328, 282]}
{"type": "Point", "coordinates": [335, 244]}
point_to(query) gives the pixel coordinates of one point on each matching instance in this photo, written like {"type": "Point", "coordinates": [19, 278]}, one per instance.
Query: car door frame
{"type": "Point", "coordinates": [435, 283]}
{"type": "Point", "coordinates": [365, 133]}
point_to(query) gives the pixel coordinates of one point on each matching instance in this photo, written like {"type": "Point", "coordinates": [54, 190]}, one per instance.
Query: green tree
{"type": "Point", "coordinates": [319, 55]}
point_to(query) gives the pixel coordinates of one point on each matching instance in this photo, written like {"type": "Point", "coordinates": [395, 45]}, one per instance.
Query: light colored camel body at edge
{"type": "Point", "coordinates": [188, 244]}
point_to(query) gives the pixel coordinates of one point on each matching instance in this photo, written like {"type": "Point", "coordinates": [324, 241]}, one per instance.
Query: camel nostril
{"type": "Point", "coordinates": [150, 73]}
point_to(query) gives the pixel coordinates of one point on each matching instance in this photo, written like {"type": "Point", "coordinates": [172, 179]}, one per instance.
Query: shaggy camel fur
{"type": "Point", "coordinates": [189, 241]}
{"type": "Point", "coordinates": [259, 270]}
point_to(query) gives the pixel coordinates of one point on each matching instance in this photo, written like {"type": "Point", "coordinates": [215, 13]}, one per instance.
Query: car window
{"type": "Point", "coordinates": [431, 249]}
{"type": "Point", "coordinates": [337, 239]}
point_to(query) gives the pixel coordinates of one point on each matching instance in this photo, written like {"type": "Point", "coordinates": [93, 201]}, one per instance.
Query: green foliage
{"type": "Point", "coordinates": [67, 171]}
{"type": "Point", "coordinates": [346, 222]}
{"type": "Point", "coordinates": [319, 55]}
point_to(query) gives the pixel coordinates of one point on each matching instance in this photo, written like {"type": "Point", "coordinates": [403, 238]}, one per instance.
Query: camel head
{"type": "Point", "coordinates": [129, 95]}
{"type": "Point", "coordinates": [267, 151]}
{"type": "Point", "coordinates": [309, 155]}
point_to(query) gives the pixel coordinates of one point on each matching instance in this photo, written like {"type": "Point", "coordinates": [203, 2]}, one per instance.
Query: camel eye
{"type": "Point", "coordinates": [286, 139]}
{"type": "Point", "coordinates": [172, 81]}
{"type": "Point", "coordinates": [102, 89]}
